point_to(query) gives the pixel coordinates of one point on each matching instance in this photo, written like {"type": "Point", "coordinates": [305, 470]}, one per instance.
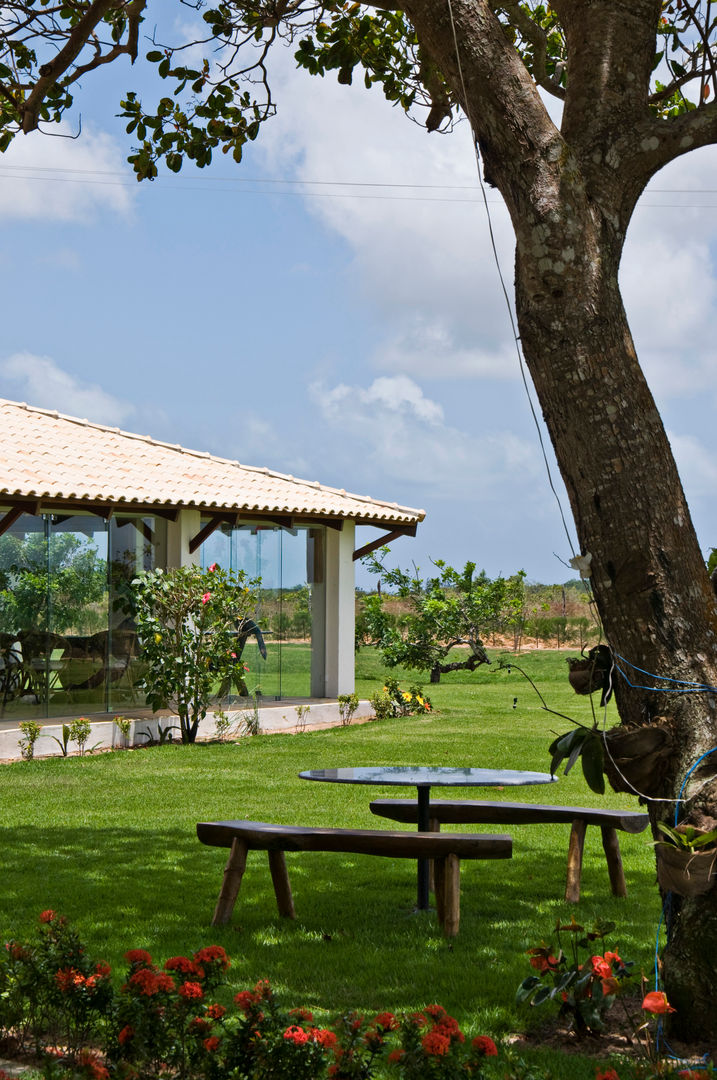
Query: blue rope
{"type": "Point", "coordinates": [687, 776]}
{"type": "Point", "coordinates": [692, 686]}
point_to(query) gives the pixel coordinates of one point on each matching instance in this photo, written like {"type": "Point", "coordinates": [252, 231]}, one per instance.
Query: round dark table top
{"type": "Point", "coordinates": [429, 775]}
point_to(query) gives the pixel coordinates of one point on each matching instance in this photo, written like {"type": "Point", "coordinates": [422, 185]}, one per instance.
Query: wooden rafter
{"type": "Point", "coordinates": [387, 538]}
{"type": "Point", "coordinates": [206, 531]}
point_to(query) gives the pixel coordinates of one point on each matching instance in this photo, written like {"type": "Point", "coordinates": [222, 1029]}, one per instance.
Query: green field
{"type": "Point", "coordinates": [109, 841]}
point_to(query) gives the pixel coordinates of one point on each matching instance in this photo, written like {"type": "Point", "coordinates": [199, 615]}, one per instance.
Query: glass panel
{"type": "Point", "coordinates": [75, 656]}
{"type": "Point", "coordinates": [24, 618]}
{"type": "Point", "coordinates": [134, 542]}
{"type": "Point", "coordinates": [256, 549]}
{"type": "Point", "coordinates": [295, 615]}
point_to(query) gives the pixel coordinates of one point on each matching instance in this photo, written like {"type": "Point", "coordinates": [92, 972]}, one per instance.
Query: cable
{"type": "Point", "coordinates": [514, 329]}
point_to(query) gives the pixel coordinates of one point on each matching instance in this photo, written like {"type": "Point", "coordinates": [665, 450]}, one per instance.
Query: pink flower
{"type": "Point", "coordinates": [212, 568]}
{"type": "Point", "coordinates": [206, 598]}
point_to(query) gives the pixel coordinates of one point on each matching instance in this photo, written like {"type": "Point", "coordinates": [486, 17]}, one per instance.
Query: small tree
{"type": "Point", "coordinates": [187, 620]}
{"type": "Point", "coordinates": [453, 608]}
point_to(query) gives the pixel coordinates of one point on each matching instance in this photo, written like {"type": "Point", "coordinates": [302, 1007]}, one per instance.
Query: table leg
{"type": "Point", "coordinates": [424, 802]}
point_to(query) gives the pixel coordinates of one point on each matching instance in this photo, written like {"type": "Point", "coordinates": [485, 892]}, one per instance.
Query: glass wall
{"type": "Point", "coordinates": [278, 652]}
{"type": "Point", "coordinates": [67, 638]}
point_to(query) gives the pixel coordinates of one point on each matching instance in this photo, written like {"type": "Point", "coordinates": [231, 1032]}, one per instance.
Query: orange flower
{"type": "Point", "coordinates": [656, 1002]}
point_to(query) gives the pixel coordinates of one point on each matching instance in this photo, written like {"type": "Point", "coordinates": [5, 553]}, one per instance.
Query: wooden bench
{"type": "Point", "coordinates": [447, 849]}
{"type": "Point", "coordinates": [475, 812]}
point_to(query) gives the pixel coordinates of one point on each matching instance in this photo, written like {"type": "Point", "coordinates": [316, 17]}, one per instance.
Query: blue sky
{"type": "Point", "coordinates": [348, 332]}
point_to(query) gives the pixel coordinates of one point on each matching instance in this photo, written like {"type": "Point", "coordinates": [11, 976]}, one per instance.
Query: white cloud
{"type": "Point", "coordinates": [51, 178]}
{"type": "Point", "coordinates": [390, 429]}
{"type": "Point", "coordinates": [429, 349]}
{"type": "Point", "coordinates": [39, 381]}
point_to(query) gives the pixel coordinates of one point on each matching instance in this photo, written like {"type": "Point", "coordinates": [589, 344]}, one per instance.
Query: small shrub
{"type": "Point", "coordinates": [30, 734]}
{"type": "Point", "coordinates": [393, 701]}
{"type": "Point", "coordinates": [223, 725]}
{"type": "Point", "coordinates": [348, 704]}
{"type": "Point", "coordinates": [302, 716]}
{"type": "Point", "coordinates": [250, 723]}
{"type": "Point", "coordinates": [124, 726]}
{"type": "Point", "coordinates": [80, 731]}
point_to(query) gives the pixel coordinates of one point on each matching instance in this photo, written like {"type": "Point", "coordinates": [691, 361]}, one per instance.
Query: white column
{"type": "Point", "coordinates": [179, 533]}
{"type": "Point", "coordinates": [340, 611]}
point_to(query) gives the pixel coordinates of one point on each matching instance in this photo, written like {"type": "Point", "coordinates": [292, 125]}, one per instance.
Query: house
{"type": "Point", "coordinates": [84, 508]}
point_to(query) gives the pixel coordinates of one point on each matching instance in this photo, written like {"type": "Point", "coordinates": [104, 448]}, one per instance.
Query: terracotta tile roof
{"type": "Point", "coordinates": [47, 456]}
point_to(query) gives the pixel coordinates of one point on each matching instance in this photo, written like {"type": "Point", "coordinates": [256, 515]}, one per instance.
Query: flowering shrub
{"type": "Point", "coordinates": [164, 1023]}
{"type": "Point", "coordinates": [186, 622]}
{"type": "Point", "coordinates": [393, 701]}
{"type": "Point", "coordinates": [585, 986]}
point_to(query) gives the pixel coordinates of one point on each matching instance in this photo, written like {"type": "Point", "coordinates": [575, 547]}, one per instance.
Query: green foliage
{"type": "Point", "coordinates": [585, 744]}
{"type": "Point", "coordinates": [393, 701]}
{"type": "Point", "coordinates": [687, 836]}
{"type": "Point", "coordinates": [80, 730]}
{"type": "Point", "coordinates": [712, 561]}
{"type": "Point", "coordinates": [582, 983]}
{"type": "Point", "coordinates": [30, 734]}
{"type": "Point", "coordinates": [454, 608]}
{"type": "Point", "coordinates": [186, 623]}
{"type": "Point", "coordinates": [64, 742]}
{"type": "Point", "coordinates": [348, 704]}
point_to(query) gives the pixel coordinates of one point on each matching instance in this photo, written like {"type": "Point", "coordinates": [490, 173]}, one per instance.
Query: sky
{"type": "Point", "coordinates": [331, 308]}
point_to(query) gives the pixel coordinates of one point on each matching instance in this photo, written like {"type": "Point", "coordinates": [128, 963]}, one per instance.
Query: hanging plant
{"type": "Point", "coordinates": [686, 859]}
{"type": "Point", "coordinates": [636, 758]}
{"type": "Point", "coordinates": [585, 744]}
{"type": "Point", "coordinates": [590, 672]}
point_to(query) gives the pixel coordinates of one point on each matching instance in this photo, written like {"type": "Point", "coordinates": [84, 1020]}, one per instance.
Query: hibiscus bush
{"type": "Point", "coordinates": [187, 624]}
{"type": "Point", "coordinates": [165, 1022]}
{"type": "Point", "coordinates": [582, 981]}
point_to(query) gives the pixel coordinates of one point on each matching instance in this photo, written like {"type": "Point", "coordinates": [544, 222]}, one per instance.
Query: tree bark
{"type": "Point", "coordinates": [570, 194]}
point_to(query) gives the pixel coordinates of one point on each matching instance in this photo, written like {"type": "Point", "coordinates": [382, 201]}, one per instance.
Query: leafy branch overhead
{"type": "Point", "coordinates": [454, 608]}
{"type": "Point", "coordinates": [220, 101]}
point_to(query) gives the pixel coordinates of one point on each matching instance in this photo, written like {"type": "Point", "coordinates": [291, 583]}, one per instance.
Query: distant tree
{"type": "Point", "coordinates": [454, 608]}
{"type": "Point", "coordinates": [49, 586]}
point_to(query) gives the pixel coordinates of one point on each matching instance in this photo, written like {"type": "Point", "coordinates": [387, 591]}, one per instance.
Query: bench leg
{"type": "Point", "coordinates": [611, 846]}
{"type": "Point", "coordinates": [282, 886]}
{"type": "Point", "coordinates": [448, 893]}
{"type": "Point", "coordinates": [575, 860]}
{"type": "Point", "coordinates": [434, 825]}
{"type": "Point", "coordinates": [233, 874]}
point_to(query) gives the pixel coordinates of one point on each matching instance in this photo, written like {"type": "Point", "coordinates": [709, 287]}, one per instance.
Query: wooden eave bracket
{"type": "Point", "coordinates": [17, 508]}
{"type": "Point", "coordinates": [387, 538]}
{"type": "Point", "coordinates": [206, 531]}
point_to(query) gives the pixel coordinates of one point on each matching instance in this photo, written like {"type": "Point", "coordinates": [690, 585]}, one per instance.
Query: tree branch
{"type": "Point", "coordinates": [537, 37]}
{"type": "Point", "coordinates": [51, 72]}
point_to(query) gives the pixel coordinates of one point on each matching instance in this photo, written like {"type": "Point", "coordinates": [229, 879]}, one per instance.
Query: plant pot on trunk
{"type": "Point", "coordinates": [687, 873]}
{"type": "Point", "coordinates": [636, 758]}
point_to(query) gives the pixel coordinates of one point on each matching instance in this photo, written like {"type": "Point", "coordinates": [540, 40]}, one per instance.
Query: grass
{"type": "Point", "coordinates": [109, 841]}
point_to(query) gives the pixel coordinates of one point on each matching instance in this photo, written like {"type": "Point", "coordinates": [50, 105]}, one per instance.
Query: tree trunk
{"type": "Point", "coordinates": [647, 574]}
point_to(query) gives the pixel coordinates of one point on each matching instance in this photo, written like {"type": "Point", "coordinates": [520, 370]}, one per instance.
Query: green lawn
{"type": "Point", "coordinates": [109, 841]}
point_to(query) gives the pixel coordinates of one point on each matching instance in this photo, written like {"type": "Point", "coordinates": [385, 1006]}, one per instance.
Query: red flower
{"type": "Point", "coordinates": [191, 991]}
{"type": "Point", "coordinates": [544, 963]}
{"type": "Point", "coordinates": [206, 597]}
{"type": "Point", "coordinates": [138, 956]}
{"type": "Point", "coordinates": [296, 1035]}
{"type": "Point", "coordinates": [181, 964]}
{"type": "Point", "coordinates": [262, 990]}
{"type": "Point", "coordinates": [435, 1044]}
{"type": "Point", "coordinates": [395, 1056]}
{"type": "Point", "coordinates": [212, 954]}
{"type": "Point", "coordinates": [613, 958]}
{"type": "Point", "coordinates": [212, 1043]}
{"type": "Point", "coordinates": [609, 986]}
{"type": "Point", "coordinates": [69, 979]}
{"type": "Point", "coordinates": [449, 1027]}
{"type": "Point", "coordinates": [245, 1000]}
{"type": "Point", "coordinates": [483, 1044]}
{"type": "Point", "coordinates": [691, 1074]}
{"type": "Point", "coordinates": [125, 1034]}
{"type": "Point", "coordinates": [387, 1021]}
{"type": "Point", "coordinates": [324, 1037]}
{"type": "Point", "coordinates": [656, 1002]}
{"type": "Point", "coordinates": [91, 1060]}
{"type": "Point", "coordinates": [212, 568]}
{"type": "Point", "coordinates": [435, 1011]}
{"type": "Point", "coordinates": [102, 970]}
{"type": "Point", "coordinates": [200, 1026]}
{"type": "Point", "coordinates": [302, 1014]}
{"type": "Point", "coordinates": [606, 1074]}
{"type": "Point", "coordinates": [216, 1012]}
{"type": "Point", "coordinates": [601, 966]}
{"type": "Point", "coordinates": [151, 982]}
{"type": "Point", "coordinates": [48, 916]}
